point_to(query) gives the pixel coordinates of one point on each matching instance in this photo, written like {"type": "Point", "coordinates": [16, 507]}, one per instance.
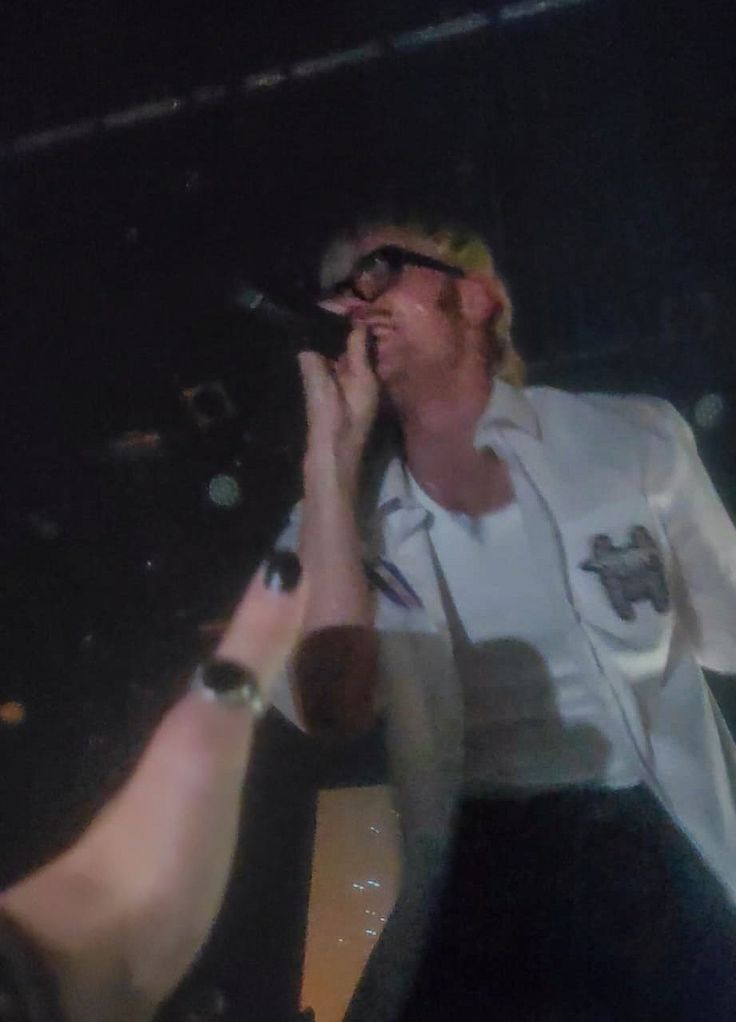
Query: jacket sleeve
{"type": "Point", "coordinates": [701, 534]}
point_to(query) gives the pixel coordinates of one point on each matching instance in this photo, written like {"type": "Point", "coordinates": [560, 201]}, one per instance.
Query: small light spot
{"type": "Point", "coordinates": [12, 713]}
{"type": "Point", "coordinates": [709, 411]}
{"type": "Point", "coordinates": [224, 491]}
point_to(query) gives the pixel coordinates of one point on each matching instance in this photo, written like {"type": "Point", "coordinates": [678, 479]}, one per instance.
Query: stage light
{"type": "Point", "coordinates": [224, 491]}
{"type": "Point", "coordinates": [709, 410]}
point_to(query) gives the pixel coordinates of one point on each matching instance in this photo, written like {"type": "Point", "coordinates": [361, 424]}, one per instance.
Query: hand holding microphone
{"type": "Point", "coordinates": [341, 400]}
{"type": "Point", "coordinates": [340, 386]}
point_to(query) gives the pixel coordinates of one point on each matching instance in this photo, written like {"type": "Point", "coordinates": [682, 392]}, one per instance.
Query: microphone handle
{"type": "Point", "coordinates": [313, 329]}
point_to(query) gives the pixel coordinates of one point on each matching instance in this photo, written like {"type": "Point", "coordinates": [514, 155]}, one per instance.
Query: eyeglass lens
{"type": "Point", "coordinates": [371, 280]}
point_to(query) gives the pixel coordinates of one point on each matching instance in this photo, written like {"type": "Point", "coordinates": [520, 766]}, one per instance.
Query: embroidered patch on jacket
{"type": "Point", "coordinates": [386, 577]}
{"type": "Point", "coordinates": [630, 574]}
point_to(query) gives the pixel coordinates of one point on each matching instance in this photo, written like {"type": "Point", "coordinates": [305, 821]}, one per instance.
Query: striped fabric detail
{"type": "Point", "coordinates": [386, 577]}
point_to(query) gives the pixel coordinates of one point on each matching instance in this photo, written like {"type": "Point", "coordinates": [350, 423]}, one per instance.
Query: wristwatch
{"type": "Point", "coordinates": [230, 682]}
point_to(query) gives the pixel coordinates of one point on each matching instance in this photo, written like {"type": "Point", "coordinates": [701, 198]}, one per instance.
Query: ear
{"type": "Point", "coordinates": [481, 298]}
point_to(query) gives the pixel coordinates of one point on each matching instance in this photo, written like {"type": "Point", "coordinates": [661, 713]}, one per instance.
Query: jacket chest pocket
{"type": "Point", "coordinates": [618, 563]}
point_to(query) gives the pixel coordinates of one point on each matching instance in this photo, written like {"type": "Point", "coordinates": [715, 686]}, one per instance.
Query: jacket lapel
{"type": "Point", "coordinates": [565, 490]}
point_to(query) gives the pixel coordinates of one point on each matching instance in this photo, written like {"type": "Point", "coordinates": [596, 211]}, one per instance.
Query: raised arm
{"type": "Point", "coordinates": [334, 670]}
{"type": "Point", "coordinates": [119, 917]}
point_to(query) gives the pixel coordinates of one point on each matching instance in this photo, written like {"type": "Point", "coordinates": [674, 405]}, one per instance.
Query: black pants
{"type": "Point", "coordinates": [585, 905]}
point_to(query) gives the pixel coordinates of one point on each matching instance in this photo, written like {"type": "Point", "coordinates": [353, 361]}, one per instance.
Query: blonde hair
{"type": "Point", "coordinates": [459, 246]}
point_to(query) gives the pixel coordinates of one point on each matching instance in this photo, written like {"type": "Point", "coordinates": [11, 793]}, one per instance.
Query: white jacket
{"type": "Point", "coordinates": [583, 465]}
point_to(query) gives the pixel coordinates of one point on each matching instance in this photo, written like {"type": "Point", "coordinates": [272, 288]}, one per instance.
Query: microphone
{"type": "Point", "coordinates": [306, 328]}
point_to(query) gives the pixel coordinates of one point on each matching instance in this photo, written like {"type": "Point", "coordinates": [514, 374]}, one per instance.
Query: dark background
{"type": "Point", "coordinates": [592, 141]}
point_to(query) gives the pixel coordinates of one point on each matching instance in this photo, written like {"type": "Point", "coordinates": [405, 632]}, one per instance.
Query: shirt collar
{"type": "Point", "coordinates": [508, 406]}
{"type": "Point", "coordinates": [395, 491]}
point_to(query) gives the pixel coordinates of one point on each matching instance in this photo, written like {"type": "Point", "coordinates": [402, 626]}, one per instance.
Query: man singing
{"type": "Point", "coordinates": [526, 587]}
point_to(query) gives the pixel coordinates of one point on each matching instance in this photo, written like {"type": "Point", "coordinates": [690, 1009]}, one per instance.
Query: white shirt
{"type": "Point", "coordinates": [532, 721]}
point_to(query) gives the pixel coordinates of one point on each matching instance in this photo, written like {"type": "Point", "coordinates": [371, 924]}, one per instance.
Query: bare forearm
{"type": "Point", "coordinates": [330, 548]}
{"type": "Point", "coordinates": [335, 666]}
{"type": "Point", "coordinates": [121, 914]}
{"type": "Point", "coordinates": [149, 873]}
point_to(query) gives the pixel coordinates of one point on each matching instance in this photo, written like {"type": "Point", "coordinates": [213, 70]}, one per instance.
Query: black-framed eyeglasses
{"type": "Point", "coordinates": [374, 273]}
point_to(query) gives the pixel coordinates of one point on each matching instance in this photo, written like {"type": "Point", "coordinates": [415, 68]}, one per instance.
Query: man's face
{"type": "Point", "coordinates": [416, 322]}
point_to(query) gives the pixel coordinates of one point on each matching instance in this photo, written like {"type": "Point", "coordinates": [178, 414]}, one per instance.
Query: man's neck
{"type": "Point", "coordinates": [443, 423]}
{"type": "Point", "coordinates": [439, 448]}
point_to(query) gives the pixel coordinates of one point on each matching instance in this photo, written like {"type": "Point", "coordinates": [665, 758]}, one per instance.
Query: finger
{"type": "Point", "coordinates": [266, 623]}
{"type": "Point", "coordinates": [342, 367]}
{"type": "Point", "coordinates": [314, 369]}
{"type": "Point", "coordinates": [357, 350]}
{"type": "Point", "coordinates": [316, 380]}
{"type": "Point", "coordinates": [355, 359]}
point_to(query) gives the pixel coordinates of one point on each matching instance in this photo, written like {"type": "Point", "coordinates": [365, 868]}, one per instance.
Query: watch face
{"type": "Point", "coordinates": [223, 676]}
{"type": "Point", "coordinates": [230, 682]}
